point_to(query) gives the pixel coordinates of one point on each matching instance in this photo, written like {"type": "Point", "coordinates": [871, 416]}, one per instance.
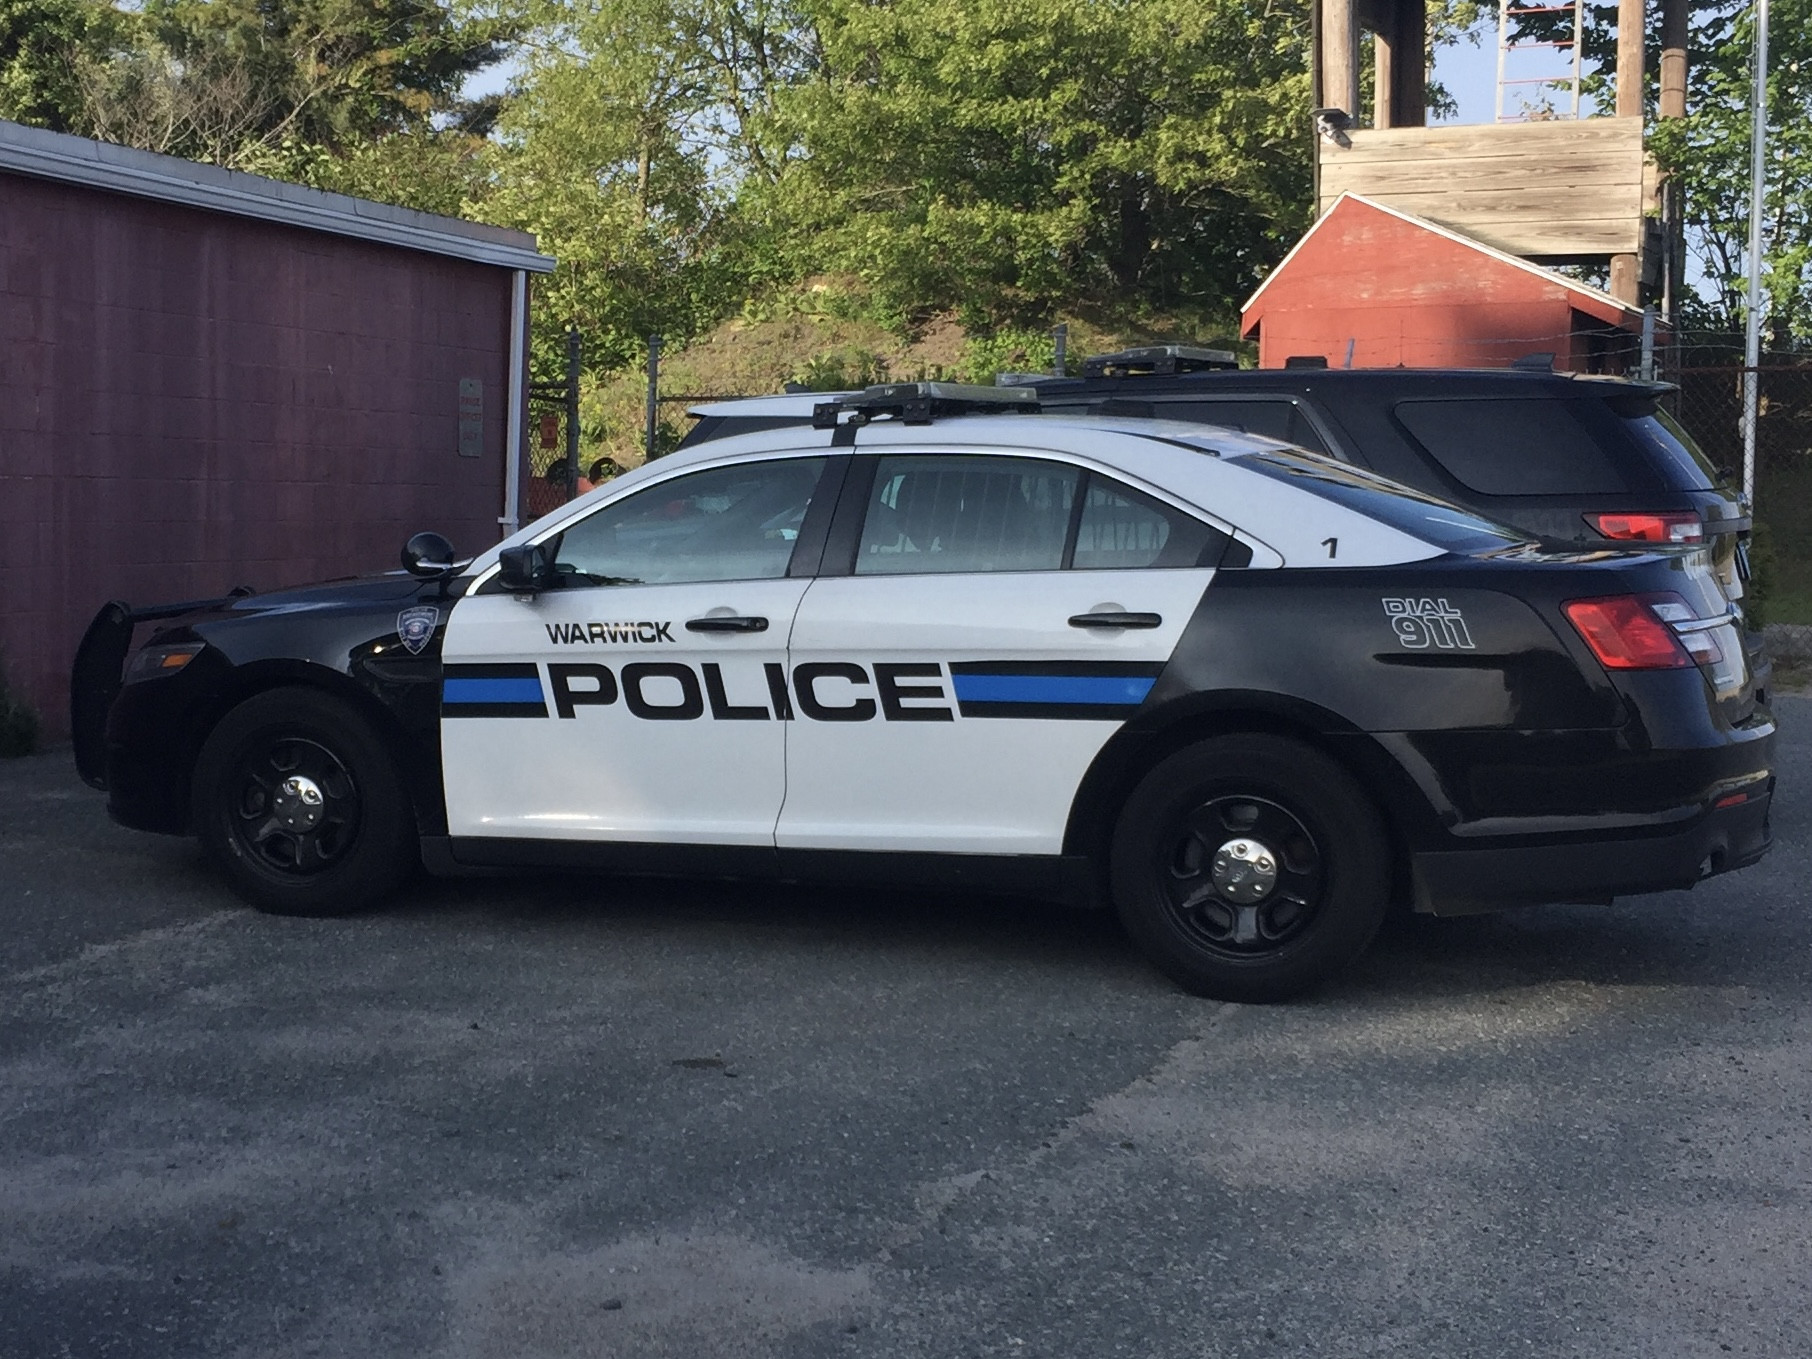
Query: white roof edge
{"type": "Point", "coordinates": [1504, 256]}
{"type": "Point", "coordinates": [170, 179]}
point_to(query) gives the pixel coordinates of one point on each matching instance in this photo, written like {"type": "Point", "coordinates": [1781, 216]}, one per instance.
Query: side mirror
{"type": "Point", "coordinates": [428, 555]}
{"type": "Point", "coordinates": [528, 567]}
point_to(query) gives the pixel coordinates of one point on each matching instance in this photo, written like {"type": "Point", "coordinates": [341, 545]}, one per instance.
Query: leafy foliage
{"type": "Point", "coordinates": [42, 46]}
{"type": "Point", "coordinates": [1707, 152]}
{"type": "Point", "coordinates": [998, 155]}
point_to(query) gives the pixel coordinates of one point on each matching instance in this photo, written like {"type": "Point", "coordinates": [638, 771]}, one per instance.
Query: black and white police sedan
{"type": "Point", "coordinates": [1247, 695]}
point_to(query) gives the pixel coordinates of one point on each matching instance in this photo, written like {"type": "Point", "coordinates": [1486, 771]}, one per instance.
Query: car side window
{"type": "Point", "coordinates": [724, 523]}
{"type": "Point", "coordinates": [1120, 529]}
{"type": "Point", "coordinates": [1271, 418]}
{"type": "Point", "coordinates": [936, 514]}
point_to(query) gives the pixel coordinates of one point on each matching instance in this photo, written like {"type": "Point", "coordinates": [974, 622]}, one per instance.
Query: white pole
{"type": "Point", "coordinates": [515, 376]}
{"type": "Point", "coordinates": [1752, 339]}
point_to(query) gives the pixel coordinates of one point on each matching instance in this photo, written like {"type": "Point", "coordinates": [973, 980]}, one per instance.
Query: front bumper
{"type": "Point", "coordinates": [1707, 841]}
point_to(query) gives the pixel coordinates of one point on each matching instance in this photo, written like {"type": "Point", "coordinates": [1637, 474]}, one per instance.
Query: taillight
{"type": "Point", "coordinates": [1694, 633]}
{"type": "Point", "coordinates": [1683, 527]}
{"type": "Point", "coordinates": [1626, 633]}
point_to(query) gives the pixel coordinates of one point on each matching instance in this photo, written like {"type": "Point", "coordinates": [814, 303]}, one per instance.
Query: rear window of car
{"type": "Point", "coordinates": [1513, 447]}
{"type": "Point", "coordinates": [1434, 521]}
{"type": "Point", "coordinates": [1674, 453]}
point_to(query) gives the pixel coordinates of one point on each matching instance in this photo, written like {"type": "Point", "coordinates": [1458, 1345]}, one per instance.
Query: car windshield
{"type": "Point", "coordinates": [1432, 520]}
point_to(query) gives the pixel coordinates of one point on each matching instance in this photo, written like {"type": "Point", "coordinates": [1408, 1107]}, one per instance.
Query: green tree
{"type": "Point", "coordinates": [1001, 155]}
{"type": "Point", "coordinates": [42, 46]}
{"type": "Point", "coordinates": [264, 82]}
{"type": "Point", "coordinates": [603, 153]}
{"type": "Point", "coordinates": [1709, 152]}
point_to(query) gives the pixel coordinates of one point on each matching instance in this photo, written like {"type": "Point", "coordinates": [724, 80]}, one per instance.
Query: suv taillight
{"type": "Point", "coordinates": [1626, 632]}
{"type": "Point", "coordinates": [1683, 527]}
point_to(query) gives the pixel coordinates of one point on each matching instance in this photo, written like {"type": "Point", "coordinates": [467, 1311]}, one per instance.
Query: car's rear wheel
{"type": "Point", "coordinates": [299, 802]}
{"type": "Point", "coordinates": [1250, 867]}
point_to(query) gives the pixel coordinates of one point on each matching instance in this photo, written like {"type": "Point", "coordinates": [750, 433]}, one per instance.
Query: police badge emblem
{"type": "Point", "coordinates": [415, 626]}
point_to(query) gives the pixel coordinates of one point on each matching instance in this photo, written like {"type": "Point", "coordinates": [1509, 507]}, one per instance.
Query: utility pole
{"type": "Point", "coordinates": [1673, 205]}
{"type": "Point", "coordinates": [1758, 181]}
{"type": "Point", "coordinates": [1626, 279]}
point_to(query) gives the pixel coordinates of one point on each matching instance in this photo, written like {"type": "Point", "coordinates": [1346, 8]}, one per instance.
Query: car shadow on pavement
{"type": "Point", "coordinates": [1669, 940]}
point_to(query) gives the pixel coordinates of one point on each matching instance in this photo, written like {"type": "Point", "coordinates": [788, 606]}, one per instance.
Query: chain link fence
{"type": "Point", "coordinates": [1709, 403]}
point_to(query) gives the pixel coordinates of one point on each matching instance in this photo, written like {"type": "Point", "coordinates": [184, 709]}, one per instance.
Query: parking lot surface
{"type": "Point", "coordinates": [568, 1117]}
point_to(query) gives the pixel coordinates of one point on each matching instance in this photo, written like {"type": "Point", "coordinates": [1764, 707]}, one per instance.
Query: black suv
{"type": "Point", "coordinates": [1573, 460]}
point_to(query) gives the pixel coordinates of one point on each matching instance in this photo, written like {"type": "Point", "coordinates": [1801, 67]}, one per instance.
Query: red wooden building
{"type": "Point", "coordinates": [1370, 286]}
{"type": "Point", "coordinates": [210, 379]}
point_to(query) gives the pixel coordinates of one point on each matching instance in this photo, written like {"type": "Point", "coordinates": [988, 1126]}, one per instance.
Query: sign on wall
{"type": "Point", "coordinates": [471, 417]}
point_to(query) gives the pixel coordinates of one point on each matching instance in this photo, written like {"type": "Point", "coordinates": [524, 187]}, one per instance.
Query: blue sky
{"type": "Point", "coordinates": [1470, 73]}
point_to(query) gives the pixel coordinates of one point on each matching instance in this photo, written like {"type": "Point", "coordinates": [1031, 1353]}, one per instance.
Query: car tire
{"type": "Point", "coordinates": [1250, 867]}
{"type": "Point", "coordinates": [299, 802]}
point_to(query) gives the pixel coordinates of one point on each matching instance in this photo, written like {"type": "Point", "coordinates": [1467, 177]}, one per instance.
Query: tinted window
{"type": "Point", "coordinates": [1677, 457]}
{"type": "Point", "coordinates": [728, 523]}
{"type": "Point", "coordinates": [1280, 420]}
{"type": "Point", "coordinates": [1422, 516]}
{"type": "Point", "coordinates": [1121, 529]}
{"type": "Point", "coordinates": [1512, 447]}
{"type": "Point", "coordinates": [938, 514]}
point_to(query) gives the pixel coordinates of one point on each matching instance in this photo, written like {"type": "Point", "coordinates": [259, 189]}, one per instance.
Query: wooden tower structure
{"type": "Point", "coordinates": [1555, 190]}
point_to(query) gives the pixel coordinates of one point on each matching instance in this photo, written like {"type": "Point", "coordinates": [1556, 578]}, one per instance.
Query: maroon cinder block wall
{"type": "Point", "coordinates": [191, 401]}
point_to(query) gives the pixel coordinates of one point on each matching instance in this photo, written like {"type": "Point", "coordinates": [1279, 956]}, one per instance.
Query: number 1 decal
{"type": "Point", "coordinates": [1332, 545]}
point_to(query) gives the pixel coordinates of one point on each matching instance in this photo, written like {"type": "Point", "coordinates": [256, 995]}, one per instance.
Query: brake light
{"type": "Point", "coordinates": [1684, 527]}
{"type": "Point", "coordinates": [1625, 633]}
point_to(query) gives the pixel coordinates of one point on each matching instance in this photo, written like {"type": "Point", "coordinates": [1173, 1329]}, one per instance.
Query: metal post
{"type": "Point", "coordinates": [516, 405]}
{"type": "Point", "coordinates": [1060, 341]}
{"type": "Point", "coordinates": [654, 391]}
{"type": "Point", "coordinates": [1752, 337]}
{"type": "Point", "coordinates": [1647, 370]}
{"type": "Point", "coordinates": [572, 413]}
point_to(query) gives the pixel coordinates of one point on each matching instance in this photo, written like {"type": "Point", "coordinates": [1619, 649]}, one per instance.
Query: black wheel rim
{"type": "Point", "coordinates": [293, 806]}
{"type": "Point", "coordinates": [1242, 876]}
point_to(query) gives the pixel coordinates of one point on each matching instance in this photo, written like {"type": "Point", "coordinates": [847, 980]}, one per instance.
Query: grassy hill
{"type": "Point", "coordinates": [805, 340]}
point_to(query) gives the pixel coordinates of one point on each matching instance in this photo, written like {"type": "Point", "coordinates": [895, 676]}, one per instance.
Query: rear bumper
{"type": "Point", "coordinates": [1491, 877]}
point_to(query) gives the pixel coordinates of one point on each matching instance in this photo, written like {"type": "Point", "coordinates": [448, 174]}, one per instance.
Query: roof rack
{"type": "Point", "coordinates": [1159, 359]}
{"type": "Point", "coordinates": [919, 403]}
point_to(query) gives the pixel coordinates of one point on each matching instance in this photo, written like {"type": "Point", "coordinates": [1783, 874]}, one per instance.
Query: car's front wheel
{"type": "Point", "coordinates": [299, 802]}
{"type": "Point", "coordinates": [1250, 867]}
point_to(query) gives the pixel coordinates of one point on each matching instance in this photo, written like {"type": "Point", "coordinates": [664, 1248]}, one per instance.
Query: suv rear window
{"type": "Point", "coordinates": [1512, 446]}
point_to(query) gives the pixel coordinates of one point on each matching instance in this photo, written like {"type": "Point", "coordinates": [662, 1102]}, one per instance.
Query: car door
{"type": "Point", "coordinates": [982, 624]}
{"type": "Point", "coordinates": [643, 697]}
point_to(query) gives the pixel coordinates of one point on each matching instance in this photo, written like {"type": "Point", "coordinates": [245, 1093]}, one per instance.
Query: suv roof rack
{"type": "Point", "coordinates": [919, 403]}
{"type": "Point", "coordinates": [1161, 359]}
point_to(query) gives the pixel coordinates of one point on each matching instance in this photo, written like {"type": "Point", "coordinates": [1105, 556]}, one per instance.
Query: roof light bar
{"type": "Point", "coordinates": [1159, 360]}
{"type": "Point", "coordinates": [919, 403]}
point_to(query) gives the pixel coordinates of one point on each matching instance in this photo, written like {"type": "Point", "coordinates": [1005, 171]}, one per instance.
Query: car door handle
{"type": "Point", "coordinates": [726, 623]}
{"type": "Point", "coordinates": [1116, 619]}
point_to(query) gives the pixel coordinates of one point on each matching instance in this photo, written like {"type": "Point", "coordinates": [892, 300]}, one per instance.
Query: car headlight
{"type": "Point", "coordinates": [153, 661]}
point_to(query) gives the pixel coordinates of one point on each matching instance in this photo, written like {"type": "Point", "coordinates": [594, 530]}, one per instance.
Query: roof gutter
{"type": "Point", "coordinates": [170, 179]}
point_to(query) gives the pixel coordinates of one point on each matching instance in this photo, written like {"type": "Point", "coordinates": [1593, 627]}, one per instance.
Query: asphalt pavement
{"type": "Point", "coordinates": [553, 1117]}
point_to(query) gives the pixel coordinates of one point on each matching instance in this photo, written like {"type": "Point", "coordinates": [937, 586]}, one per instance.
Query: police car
{"type": "Point", "coordinates": [1248, 695]}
